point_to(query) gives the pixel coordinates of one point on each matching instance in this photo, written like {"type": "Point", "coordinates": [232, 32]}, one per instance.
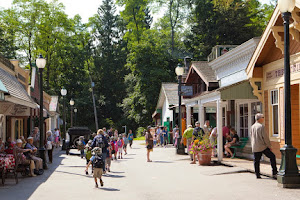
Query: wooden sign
{"type": "Point", "coordinates": [279, 72]}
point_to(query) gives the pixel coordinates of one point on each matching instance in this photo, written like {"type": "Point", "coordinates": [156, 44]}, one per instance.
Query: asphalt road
{"type": "Point", "coordinates": [169, 176]}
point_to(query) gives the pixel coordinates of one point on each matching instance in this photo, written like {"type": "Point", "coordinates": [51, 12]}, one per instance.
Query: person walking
{"type": "Point", "coordinates": [206, 128]}
{"type": "Point", "coordinates": [149, 141]}
{"type": "Point", "coordinates": [120, 144]}
{"type": "Point", "coordinates": [261, 144]}
{"type": "Point", "coordinates": [98, 164]}
{"type": "Point", "coordinates": [165, 134]}
{"type": "Point", "coordinates": [126, 141]}
{"type": "Point", "coordinates": [188, 134]}
{"type": "Point", "coordinates": [197, 135]}
{"type": "Point", "coordinates": [50, 145]}
{"type": "Point", "coordinates": [130, 138]}
{"type": "Point", "coordinates": [101, 141]}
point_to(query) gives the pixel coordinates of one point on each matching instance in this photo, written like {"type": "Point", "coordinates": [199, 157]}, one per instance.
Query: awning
{"type": "Point", "coordinates": [3, 88]}
{"type": "Point", "coordinates": [46, 113]}
{"type": "Point", "coordinates": [17, 92]}
{"type": "Point", "coordinates": [240, 90]}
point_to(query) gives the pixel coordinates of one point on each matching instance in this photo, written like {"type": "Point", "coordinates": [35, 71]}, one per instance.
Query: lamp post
{"type": "Point", "coordinates": [63, 93]}
{"type": "Point", "coordinates": [41, 63]}
{"type": "Point", "coordinates": [288, 174]}
{"type": "Point", "coordinates": [75, 111]}
{"type": "Point", "coordinates": [179, 72]}
{"type": "Point", "coordinates": [72, 104]}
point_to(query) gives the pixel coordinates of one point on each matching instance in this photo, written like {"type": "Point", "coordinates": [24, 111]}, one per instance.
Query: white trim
{"type": "Point", "coordinates": [20, 101]}
{"type": "Point", "coordinates": [271, 113]}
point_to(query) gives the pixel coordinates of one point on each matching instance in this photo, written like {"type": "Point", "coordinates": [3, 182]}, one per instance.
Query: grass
{"type": "Point", "coordinates": [140, 138]}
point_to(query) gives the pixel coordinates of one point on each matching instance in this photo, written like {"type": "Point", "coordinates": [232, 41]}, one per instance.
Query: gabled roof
{"type": "Point", "coordinates": [168, 91]}
{"type": "Point", "coordinates": [268, 45]}
{"type": "Point", "coordinates": [205, 71]}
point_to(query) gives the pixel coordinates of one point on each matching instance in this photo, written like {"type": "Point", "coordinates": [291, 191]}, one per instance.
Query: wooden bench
{"type": "Point", "coordinates": [242, 144]}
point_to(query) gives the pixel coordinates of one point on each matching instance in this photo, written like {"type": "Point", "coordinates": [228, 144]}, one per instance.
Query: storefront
{"type": "Point", "coordinates": [265, 73]}
{"type": "Point", "coordinates": [16, 104]}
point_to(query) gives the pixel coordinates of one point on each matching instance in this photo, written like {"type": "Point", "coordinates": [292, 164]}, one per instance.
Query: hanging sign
{"type": "Point", "coordinates": [186, 90]}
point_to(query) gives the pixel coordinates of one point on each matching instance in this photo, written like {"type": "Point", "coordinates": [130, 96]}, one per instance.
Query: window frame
{"type": "Point", "coordinates": [272, 104]}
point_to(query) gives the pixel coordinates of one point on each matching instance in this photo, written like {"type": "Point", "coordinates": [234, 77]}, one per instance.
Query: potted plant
{"type": "Point", "coordinates": [203, 149]}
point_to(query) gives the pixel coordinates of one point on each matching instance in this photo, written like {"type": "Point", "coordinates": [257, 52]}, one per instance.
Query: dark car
{"type": "Point", "coordinates": [73, 135]}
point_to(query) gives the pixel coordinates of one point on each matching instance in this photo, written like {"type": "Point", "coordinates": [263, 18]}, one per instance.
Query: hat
{"type": "Point", "coordinates": [30, 138]}
{"type": "Point", "coordinates": [19, 141]}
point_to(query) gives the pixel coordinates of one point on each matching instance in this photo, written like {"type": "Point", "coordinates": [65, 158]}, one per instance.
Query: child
{"type": "Point", "coordinates": [176, 136]}
{"type": "Point", "coordinates": [154, 139]}
{"type": "Point", "coordinates": [97, 161]}
{"type": "Point", "coordinates": [88, 152]}
{"type": "Point", "coordinates": [80, 145]}
{"type": "Point", "coordinates": [126, 141]}
{"type": "Point", "coordinates": [114, 147]}
{"type": "Point", "coordinates": [120, 144]}
{"type": "Point", "coordinates": [108, 157]}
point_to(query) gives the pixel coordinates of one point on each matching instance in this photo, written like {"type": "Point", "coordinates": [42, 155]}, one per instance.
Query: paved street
{"type": "Point", "coordinates": [169, 176]}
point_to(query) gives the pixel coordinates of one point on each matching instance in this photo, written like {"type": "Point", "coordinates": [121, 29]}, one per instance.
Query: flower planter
{"type": "Point", "coordinates": [205, 157]}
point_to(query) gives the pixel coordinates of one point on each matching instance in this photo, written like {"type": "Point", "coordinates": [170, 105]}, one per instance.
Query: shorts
{"type": "Point", "coordinates": [125, 146]}
{"type": "Point", "coordinates": [108, 161]}
{"type": "Point", "coordinates": [98, 172]}
{"type": "Point", "coordinates": [120, 150]}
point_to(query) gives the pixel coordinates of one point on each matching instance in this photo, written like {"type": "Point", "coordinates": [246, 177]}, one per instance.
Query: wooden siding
{"type": "Point", "coordinates": [295, 116]}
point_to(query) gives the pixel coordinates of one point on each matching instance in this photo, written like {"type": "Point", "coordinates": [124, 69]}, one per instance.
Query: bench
{"type": "Point", "coordinates": [297, 156]}
{"type": "Point", "coordinates": [243, 142]}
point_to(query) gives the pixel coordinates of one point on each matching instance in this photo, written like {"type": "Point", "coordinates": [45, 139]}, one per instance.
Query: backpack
{"type": "Point", "coordinates": [80, 145]}
{"type": "Point", "coordinates": [100, 142]}
{"type": "Point", "coordinates": [119, 143]}
{"type": "Point", "coordinates": [98, 162]}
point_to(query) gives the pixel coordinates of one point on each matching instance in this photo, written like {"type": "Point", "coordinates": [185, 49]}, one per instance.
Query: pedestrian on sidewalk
{"type": "Point", "coordinates": [149, 141]}
{"type": "Point", "coordinates": [108, 157]}
{"type": "Point", "coordinates": [188, 134]}
{"type": "Point", "coordinates": [197, 135]}
{"type": "Point", "coordinates": [80, 145]}
{"type": "Point", "coordinates": [50, 145]}
{"type": "Point", "coordinates": [130, 138]}
{"type": "Point", "coordinates": [98, 164]}
{"type": "Point", "coordinates": [213, 139]}
{"type": "Point", "coordinates": [206, 128]}
{"type": "Point", "coordinates": [114, 148]}
{"type": "Point", "coordinates": [261, 145]}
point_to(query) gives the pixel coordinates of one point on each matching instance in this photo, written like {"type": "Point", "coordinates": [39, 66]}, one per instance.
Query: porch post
{"type": "Point", "coordinates": [201, 114]}
{"type": "Point", "coordinates": [219, 131]}
{"type": "Point", "coordinates": [188, 115]}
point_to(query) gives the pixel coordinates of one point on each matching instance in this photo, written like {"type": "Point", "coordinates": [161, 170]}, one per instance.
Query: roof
{"type": "Point", "coordinates": [14, 87]}
{"type": "Point", "coordinates": [268, 44]}
{"type": "Point", "coordinates": [168, 91]}
{"type": "Point", "coordinates": [204, 71]}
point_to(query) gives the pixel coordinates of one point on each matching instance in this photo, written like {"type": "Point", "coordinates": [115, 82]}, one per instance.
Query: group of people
{"type": "Point", "coordinates": [102, 149]}
{"type": "Point", "coordinates": [25, 150]}
{"type": "Point", "coordinates": [260, 142]}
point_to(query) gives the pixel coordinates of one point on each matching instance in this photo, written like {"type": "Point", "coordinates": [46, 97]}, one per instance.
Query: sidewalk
{"type": "Point", "coordinates": [265, 167]}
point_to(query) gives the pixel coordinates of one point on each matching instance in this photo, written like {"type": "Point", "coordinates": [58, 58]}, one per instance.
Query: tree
{"type": "Point", "coordinates": [7, 42]}
{"type": "Point", "coordinates": [230, 22]}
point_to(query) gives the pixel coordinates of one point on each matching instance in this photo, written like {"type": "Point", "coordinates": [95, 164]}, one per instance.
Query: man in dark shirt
{"type": "Point", "coordinates": [101, 141]}
{"type": "Point", "coordinates": [197, 134]}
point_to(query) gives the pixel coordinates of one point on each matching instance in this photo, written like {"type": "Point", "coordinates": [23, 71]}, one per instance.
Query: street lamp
{"type": "Point", "coordinates": [63, 93]}
{"type": "Point", "coordinates": [179, 72]}
{"type": "Point", "coordinates": [41, 63]}
{"type": "Point", "coordinates": [72, 104]}
{"type": "Point", "coordinates": [288, 174]}
{"type": "Point", "coordinates": [75, 111]}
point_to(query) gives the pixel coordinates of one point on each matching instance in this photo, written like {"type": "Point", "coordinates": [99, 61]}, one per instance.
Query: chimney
{"type": "Point", "coordinates": [187, 64]}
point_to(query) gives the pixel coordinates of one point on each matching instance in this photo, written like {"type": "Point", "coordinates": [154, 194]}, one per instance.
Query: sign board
{"type": "Point", "coordinates": [186, 90]}
{"type": "Point", "coordinates": [210, 110]}
{"type": "Point", "coordinates": [279, 72]}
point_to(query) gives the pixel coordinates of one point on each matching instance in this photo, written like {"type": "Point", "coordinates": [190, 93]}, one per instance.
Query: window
{"type": "Point", "coordinates": [256, 107]}
{"type": "Point", "coordinates": [275, 111]}
{"type": "Point", "coordinates": [244, 120]}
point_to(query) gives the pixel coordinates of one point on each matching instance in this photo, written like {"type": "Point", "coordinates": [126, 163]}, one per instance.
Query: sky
{"type": "Point", "coordinates": [85, 8]}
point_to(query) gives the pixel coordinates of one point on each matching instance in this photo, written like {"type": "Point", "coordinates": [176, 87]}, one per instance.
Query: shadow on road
{"type": "Point", "coordinates": [27, 185]}
{"type": "Point", "coordinates": [160, 161]}
{"type": "Point", "coordinates": [75, 174]}
{"type": "Point", "coordinates": [113, 176]}
{"type": "Point", "coordinates": [117, 172]}
{"type": "Point", "coordinates": [110, 189]}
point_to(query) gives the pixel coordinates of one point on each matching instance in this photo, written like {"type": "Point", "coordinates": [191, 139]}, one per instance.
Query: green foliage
{"type": "Point", "coordinates": [140, 132]}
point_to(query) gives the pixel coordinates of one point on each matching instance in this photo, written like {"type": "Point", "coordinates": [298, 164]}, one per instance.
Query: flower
{"type": "Point", "coordinates": [202, 146]}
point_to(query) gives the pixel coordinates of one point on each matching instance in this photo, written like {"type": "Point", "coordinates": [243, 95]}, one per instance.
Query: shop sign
{"type": "Point", "coordinates": [187, 90]}
{"type": "Point", "coordinates": [210, 110]}
{"type": "Point", "coordinates": [279, 72]}
{"type": "Point", "coordinates": [19, 110]}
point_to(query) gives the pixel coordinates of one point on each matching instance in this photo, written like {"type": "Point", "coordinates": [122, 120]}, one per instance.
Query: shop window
{"type": "Point", "coordinates": [275, 111]}
{"type": "Point", "coordinates": [256, 107]}
{"type": "Point", "coordinates": [244, 120]}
